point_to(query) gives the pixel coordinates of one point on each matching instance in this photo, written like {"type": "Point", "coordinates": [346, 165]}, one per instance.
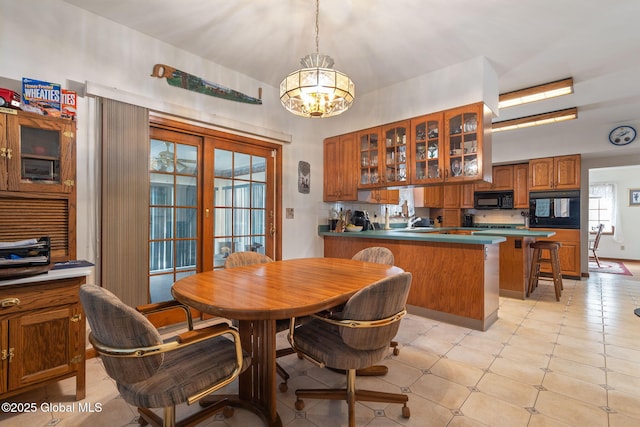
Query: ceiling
{"type": "Point", "coordinates": [382, 42]}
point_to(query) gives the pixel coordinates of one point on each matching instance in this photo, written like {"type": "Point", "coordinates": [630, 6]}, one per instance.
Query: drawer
{"type": "Point", "coordinates": [25, 298]}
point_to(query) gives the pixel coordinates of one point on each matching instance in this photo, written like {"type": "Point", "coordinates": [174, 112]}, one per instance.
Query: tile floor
{"type": "Point", "coordinates": [543, 363]}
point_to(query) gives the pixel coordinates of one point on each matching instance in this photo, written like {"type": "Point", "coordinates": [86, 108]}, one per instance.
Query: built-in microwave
{"type": "Point", "coordinates": [554, 209]}
{"type": "Point", "coordinates": [493, 200]}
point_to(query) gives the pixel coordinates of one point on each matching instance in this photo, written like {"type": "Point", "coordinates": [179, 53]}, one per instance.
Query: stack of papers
{"type": "Point", "coordinates": [19, 253]}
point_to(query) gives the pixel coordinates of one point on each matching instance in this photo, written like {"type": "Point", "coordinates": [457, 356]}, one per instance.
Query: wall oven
{"type": "Point", "coordinates": [554, 209]}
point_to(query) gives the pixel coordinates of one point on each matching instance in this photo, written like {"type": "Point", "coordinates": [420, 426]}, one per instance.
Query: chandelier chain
{"type": "Point", "coordinates": [317, 27]}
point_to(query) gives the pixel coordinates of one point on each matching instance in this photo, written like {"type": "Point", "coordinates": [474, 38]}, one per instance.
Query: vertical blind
{"type": "Point", "coordinates": [125, 201]}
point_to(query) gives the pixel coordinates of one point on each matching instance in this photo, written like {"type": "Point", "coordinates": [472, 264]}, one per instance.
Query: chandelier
{"type": "Point", "coordinates": [317, 90]}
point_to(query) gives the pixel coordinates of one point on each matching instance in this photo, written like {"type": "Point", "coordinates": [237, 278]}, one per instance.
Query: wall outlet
{"type": "Point", "coordinates": [289, 213]}
{"type": "Point", "coordinates": [622, 247]}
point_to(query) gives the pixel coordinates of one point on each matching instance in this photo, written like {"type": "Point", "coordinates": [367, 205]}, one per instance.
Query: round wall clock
{"type": "Point", "coordinates": [622, 135]}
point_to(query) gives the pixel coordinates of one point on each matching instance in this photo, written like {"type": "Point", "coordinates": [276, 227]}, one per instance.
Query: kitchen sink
{"type": "Point", "coordinates": [417, 230]}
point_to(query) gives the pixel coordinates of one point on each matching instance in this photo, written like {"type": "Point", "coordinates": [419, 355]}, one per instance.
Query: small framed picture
{"type": "Point", "coordinates": [634, 197]}
{"type": "Point", "coordinates": [304, 177]}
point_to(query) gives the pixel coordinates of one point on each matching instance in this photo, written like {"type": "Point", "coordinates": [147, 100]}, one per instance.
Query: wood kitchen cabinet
{"type": "Point", "coordinates": [427, 152]}
{"type": "Point", "coordinates": [383, 155]}
{"type": "Point", "coordinates": [430, 197]}
{"type": "Point", "coordinates": [521, 186]}
{"type": "Point", "coordinates": [37, 153]}
{"type": "Point", "coordinates": [340, 175]}
{"type": "Point", "coordinates": [466, 195]}
{"type": "Point", "coordinates": [383, 197]}
{"type": "Point", "coordinates": [451, 196]}
{"type": "Point", "coordinates": [467, 142]}
{"type": "Point", "coordinates": [368, 145]}
{"type": "Point", "coordinates": [42, 335]}
{"type": "Point", "coordinates": [555, 173]}
{"type": "Point", "coordinates": [394, 153]}
{"type": "Point", "coordinates": [502, 179]}
{"type": "Point", "coordinates": [37, 181]}
{"type": "Point", "coordinates": [569, 251]}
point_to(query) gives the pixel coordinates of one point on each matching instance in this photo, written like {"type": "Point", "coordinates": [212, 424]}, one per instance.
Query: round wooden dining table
{"type": "Point", "coordinates": [258, 295]}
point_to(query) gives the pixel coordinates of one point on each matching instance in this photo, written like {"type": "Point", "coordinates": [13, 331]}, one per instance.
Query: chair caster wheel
{"type": "Point", "coordinates": [283, 387]}
{"type": "Point", "coordinates": [406, 413]}
{"type": "Point", "coordinates": [299, 405]}
{"type": "Point", "coordinates": [227, 412]}
{"type": "Point", "coordinates": [396, 351]}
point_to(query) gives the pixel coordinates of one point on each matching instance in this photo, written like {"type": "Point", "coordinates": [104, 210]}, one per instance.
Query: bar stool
{"type": "Point", "coordinates": [537, 261]}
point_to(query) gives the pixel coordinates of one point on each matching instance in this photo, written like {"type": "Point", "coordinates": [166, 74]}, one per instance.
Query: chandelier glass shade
{"type": "Point", "coordinates": [317, 90]}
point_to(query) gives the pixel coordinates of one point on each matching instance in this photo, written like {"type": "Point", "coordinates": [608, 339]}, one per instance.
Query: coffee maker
{"type": "Point", "coordinates": [361, 218]}
{"type": "Point", "coordinates": [467, 220]}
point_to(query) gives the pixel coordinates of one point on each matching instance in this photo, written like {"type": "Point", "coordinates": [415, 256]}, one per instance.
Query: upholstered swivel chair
{"type": "Point", "coordinates": [152, 373]}
{"type": "Point", "coordinates": [239, 259]}
{"type": "Point", "coordinates": [379, 255]}
{"type": "Point", "coordinates": [593, 244]}
{"type": "Point", "coordinates": [357, 339]}
{"type": "Point", "coordinates": [376, 254]}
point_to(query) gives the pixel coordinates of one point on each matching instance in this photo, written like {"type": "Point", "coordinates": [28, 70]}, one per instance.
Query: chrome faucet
{"type": "Point", "coordinates": [412, 221]}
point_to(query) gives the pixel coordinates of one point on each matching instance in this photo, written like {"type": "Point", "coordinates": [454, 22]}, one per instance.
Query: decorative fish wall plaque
{"type": "Point", "coordinates": [193, 83]}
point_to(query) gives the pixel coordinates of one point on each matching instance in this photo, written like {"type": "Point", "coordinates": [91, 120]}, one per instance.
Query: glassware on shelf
{"type": "Point", "coordinates": [456, 167]}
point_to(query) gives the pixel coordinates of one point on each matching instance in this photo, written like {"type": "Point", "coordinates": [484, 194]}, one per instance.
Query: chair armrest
{"type": "Point", "coordinates": [183, 340]}
{"type": "Point", "coordinates": [352, 323]}
{"type": "Point", "coordinates": [157, 307]}
{"type": "Point", "coordinates": [197, 335]}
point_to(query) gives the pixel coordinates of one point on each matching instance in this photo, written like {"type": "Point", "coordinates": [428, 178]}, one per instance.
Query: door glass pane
{"type": "Point", "coordinates": [186, 191]}
{"type": "Point", "coordinates": [240, 203]}
{"type": "Point", "coordinates": [187, 157]}
{"type": "Point", "coordinates": [259, 169]}
{"type": "Point", "coordinates": [173, 212]}
{"type": "Point", "coordinates": [186, 221]}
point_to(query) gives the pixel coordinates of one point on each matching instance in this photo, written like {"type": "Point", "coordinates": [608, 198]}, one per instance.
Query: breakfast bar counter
{"type": "Point", "coordinates": [455, 276]}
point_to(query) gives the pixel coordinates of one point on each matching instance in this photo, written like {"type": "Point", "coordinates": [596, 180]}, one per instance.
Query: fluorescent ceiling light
{"type": "Point", "coordinates": [536, 93]}
{"type": "Point", "coordinates": [536, 120]}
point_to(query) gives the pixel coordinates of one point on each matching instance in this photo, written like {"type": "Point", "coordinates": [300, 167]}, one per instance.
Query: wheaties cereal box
{"type": "Point", "coordinates": [68, 104]}
{"type": "Point", "coordinates": [41, 97]}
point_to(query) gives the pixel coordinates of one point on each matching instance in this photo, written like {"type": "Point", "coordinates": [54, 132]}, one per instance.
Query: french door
{"type": "Point", "coordinates": [210, 195]}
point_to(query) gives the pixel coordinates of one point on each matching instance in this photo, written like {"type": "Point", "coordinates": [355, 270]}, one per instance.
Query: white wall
{"type": "Point", "coordinates": [625, 178]}
{"type": "Point", "coordinates": [71, 45]}
{"type": "Point", "coordinates": [115, 61]}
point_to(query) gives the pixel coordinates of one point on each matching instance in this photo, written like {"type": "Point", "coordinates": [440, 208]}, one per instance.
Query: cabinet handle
{"type": "Point", "coordinates": [75, 318]}
{"type": "Point", "coordinates": [9, 151]}
{"type": "Point", "coordinates": [5, 152]}
{"type": "Point", "coordinates": [9, 302]}
{"type": "Point", "coordinates": [69, 182]}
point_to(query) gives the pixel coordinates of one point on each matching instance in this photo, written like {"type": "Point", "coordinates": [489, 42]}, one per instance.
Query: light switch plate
{"type": "Point", "coordinates": [289, 213]}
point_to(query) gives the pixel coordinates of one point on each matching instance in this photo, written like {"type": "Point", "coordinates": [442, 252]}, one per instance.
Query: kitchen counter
{"type": "Point", "coordinates": [60, 271]}
{"type": "Point", "coordinates": [513, 232]}
{"type": "Point", "coordinates": [515, 258]}
{"type": "Point", "coordinates": [424, 234]}
{"type": "Point", "coordinates": [455, 276]}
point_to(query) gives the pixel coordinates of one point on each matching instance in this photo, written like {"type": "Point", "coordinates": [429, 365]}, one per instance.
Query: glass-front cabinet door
{"type": "Point", "coordinates": [394, 153]}
{"type": "Point", "coordinates": [39, 154]}
{"type": "Point", "coordinates": [464, 136]}
{"type": "Point", "coordinates": [369, 145]}
{"type": "Point", "coordinates": [427, 153]}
